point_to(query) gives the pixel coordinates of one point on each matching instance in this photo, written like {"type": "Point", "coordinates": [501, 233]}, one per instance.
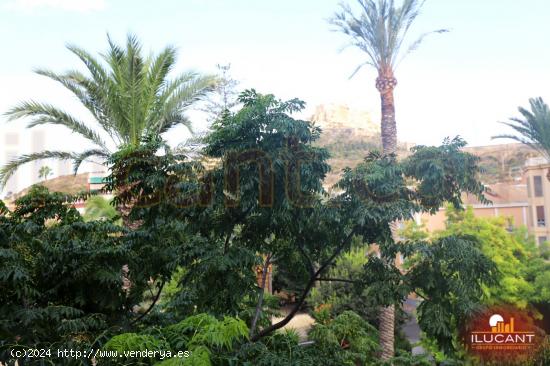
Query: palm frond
{"type": "Point", "coordinates": [9, 169]}
{"type": "Point", "coordinates": [533, 129]}
{"type": "Point", "coordinates": [380, 30]}
{"type": "Point", "coordinates": [129, 95]}
{"type": "Point", "coordinates": [414, 46]}
{"type": "Point", "coordinates": [91, 94]}
{"type": "Point", "coordinates": [189, 89]}
{"type": "Point", "coordinates": [95, 68]}
{"type": "Point", "coordinates": [79, 158]}
{"type": "Point", "coordinates": [41, 114]}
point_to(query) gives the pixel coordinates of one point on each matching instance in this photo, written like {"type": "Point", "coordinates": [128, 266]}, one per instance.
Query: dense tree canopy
{"type": "Point", "coordinates": [203, 226]}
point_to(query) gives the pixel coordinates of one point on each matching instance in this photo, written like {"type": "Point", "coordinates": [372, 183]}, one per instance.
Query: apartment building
{"type": "Point", "coordinates": [508, 200]}
{"type": "Point", "coordinates": [538, 193]}
{"type": "Point", "coordinates": [15, 143]}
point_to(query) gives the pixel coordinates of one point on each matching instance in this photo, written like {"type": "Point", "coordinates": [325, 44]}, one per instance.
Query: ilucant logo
{"type": "Point", "coordinates": [502, 336]}
{"type": "Point", "coordinates": [502, 332]}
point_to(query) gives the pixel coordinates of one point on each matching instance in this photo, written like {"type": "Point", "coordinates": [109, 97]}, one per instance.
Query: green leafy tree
{"type": "Point", "coordinates": [60, 279]}
{"type": "Point", "coordinates": [521, 270]}
{"type": "Point", "coordinates": [128, 94]}
{"type": "Point", "coordinates": [380, 31]}
{"type": "Point", "coordinates": [264, 197]}
{"type": "Point", "coordinates": [511, 253]}
{"type": "Point", "coordinates": [532, 128]}
{"type": "Point", "coordinates": [61, 283]}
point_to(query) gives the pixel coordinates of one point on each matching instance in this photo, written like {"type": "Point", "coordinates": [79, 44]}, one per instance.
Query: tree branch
{"type": "Point", "coordinates": [308, 288]}
{"type": "Point", "coordinates": [156, 298]}
{"type": "Point", "coordinates": [337, 280]}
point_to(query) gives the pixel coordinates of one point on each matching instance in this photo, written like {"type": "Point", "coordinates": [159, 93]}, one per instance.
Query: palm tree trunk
{"type": "Point", "coordinates": [386, 330]}
{"type": "Point", "coordinates": [385, 84]}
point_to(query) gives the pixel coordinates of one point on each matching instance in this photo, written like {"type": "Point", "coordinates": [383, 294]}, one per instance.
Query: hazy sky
{"type": "Point", "coordinates": [496, 56]}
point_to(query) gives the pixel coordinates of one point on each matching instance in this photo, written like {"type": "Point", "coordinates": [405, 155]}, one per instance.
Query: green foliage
{"type": "Point", "coordinates": [208, 340]}
{"type": "Point", "coordinates": [205, 330]}
{"type": "Point", "coordinates": [449, 274]}
{"type": "Point", "coordinates": [347, 292]}
{"type": "Point", "coordinates": [98, 208]}
{"type": "Point", "coordinates": [407, 359]}
{"type": "Point", "coordinates": [60, 283]}
{"type": "Point", "coordinates": [346, 340]}
{"type": "Point", "coordinates": [381, 191]}
{"type": "Point", "coordinates": [128, 94]}
{"type": "Point", "coordinates": [442, 173]}
{"type": "Point", "coordinates": [521, 273]}
{"type": "Point", "coordinates": [350, 332]}
{"type": "Point", "coordinates": [134, 342]}
{"type": "Point", "coordinates": [205, 231]}
{"type": "Point", "coordinates": [128, 342]}
{"type": "Point", "coordinates": [280, 349]}
{"type": "Point", "coordinates": [512, 254]}
{"type": "Point", "coordinates": [335, 297]}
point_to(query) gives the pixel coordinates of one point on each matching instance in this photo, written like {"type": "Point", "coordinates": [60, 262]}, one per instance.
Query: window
{"type": "Point", "coordinates": [537, 182]}
{"type": "Point", "coordinates": [542, 240]}
{"type": "Point", "coordinates": [541, 219]}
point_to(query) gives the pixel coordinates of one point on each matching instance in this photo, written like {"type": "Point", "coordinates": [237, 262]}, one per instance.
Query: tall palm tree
{"type": "Point", "coordinates": [380, 31]}
{"type": "Point", "coordinates": [533, 128]}
{"type": "Point", "coordinates": [128, 94]}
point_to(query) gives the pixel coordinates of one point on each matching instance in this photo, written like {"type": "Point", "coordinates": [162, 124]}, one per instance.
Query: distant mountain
{"type": "Point", "coordinates": [341, 117]}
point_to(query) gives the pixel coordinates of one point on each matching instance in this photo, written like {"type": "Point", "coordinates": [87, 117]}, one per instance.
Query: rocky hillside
{"type": "Point", "coordinates": [349, 135]}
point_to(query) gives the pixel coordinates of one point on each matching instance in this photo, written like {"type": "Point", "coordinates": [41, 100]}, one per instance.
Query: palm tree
{"type": "Point", "coordinates": [45, 172]}
{"type": "Point", "coordinates": [380, 31]}
{"type": "Point", "coordinates": [533, 128]}
{"type": "Point", "coordinates": [129, 95]}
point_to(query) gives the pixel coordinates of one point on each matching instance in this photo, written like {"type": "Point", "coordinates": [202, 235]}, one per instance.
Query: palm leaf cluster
{"type": "Point", "coordinates": [129, 95]}
{"type": "Point", "coordinates": [380, 30]}
{"type": "Point", "coordinates": [533, 127]}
